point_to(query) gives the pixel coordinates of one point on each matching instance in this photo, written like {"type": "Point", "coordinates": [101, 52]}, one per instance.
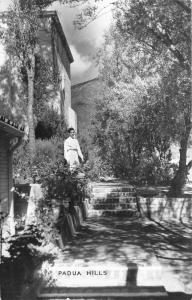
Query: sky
{"type": "Point", "coordinates": [83, 43]}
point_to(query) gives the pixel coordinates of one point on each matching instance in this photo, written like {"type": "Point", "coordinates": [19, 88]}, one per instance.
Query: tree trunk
{"type": "Point", "coordinates": [30, 75]}
{"type": "Point", "coordinates": [179, 180]}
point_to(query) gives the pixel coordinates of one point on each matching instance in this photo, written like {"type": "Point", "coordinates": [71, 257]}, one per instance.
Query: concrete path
{"type": "Point", "coordinates": [116, 251]}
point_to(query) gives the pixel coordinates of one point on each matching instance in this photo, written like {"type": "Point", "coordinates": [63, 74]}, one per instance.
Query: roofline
{"type": "Point", "coordinates": [54, 15]}
{"type": "Point", "coordinates": [84, 82]}
{"type": "Point", "coordinates": [10, 127]}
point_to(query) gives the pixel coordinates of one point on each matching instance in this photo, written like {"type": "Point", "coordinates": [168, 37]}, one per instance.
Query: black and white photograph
{"type": "Point", "coordinates": [95, 150]}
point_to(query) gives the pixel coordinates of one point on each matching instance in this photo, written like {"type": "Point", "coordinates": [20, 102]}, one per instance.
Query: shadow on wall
{"type": "Point", "coordinates": [166, 208]}
{"type": "Point", "coordinates": [11, 103]}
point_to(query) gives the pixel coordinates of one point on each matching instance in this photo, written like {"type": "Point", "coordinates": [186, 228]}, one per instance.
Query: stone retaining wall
{"type": "Point", "coordinates": [66, 219]}
{"type": "Point", "coordinates": [165, 208]}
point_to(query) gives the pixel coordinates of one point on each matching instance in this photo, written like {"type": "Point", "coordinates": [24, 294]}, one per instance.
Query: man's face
{"type": "Point", "coordinates": [72, 134]}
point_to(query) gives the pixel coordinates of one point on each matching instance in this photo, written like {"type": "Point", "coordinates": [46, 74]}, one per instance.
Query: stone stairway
{"type": "Point", "coordinates": [113, 198]}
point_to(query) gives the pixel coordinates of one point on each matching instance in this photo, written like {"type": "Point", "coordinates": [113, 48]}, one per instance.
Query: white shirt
{"type": "Point", "coordinates": [71, 144]}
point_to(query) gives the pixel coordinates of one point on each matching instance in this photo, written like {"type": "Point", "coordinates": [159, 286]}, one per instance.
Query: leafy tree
{"type": "Point", "coordinates": [23, 21]}
{"type": "Point", "coordinates": [22, 43]}
{"type": "Point", "coordinates": [162, 28]}
{"type": "Point", "coordinates": [165, 28]}
{"type": "Point", "coordinates": [147, 94]}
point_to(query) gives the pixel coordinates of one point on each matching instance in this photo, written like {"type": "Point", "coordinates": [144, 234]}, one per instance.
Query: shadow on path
{"type": "Point", "coordinates": [125, 241]}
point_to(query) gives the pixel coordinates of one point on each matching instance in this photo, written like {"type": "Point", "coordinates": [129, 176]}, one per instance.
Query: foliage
{"type": "Point", "coordinates": [59, 183]}
{"type": "Point", "coordinates": [161, 26]}
{"type": "Point", "coordinates": [132, 148]}
{"type": "Point", "coordinates": [165, 29]}
{"type": "Point", "coordinates": [96, 168]}
{"type": "Point", "coordinates": [49, 168]}
{"type": "Point", "coordinates": [152, 42]}
{"type": "Point", "coordinates": [47, 151]}
{"type": "Point", "coordinates": [19, 246]}
{"type": "Point", "coordinates": [59, 186]}
{"type": "Point", "coordinates": [145, 64]}
{"type": "Point", "coordinates": [25, 255]}
{"type": "Point", "coordinates": [45, 83]}
{"type": "Point", "coordinates": [50, 124]}
{"type": "Point", "coordinates": [21, 41]}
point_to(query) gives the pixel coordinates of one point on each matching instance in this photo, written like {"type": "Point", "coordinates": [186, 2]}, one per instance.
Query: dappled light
{"type": "Point", "coordinates": [134, 240]}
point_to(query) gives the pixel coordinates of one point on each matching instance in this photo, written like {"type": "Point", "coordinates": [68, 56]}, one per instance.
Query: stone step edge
{"type": "Point", "coordinates": [109, 200]}
{"type": "Point", "coordinates": [138, 292]}
{"type": "Point", "coordinates": [113, 189]}
{"type": "Point", "coordinates": [108, 196]}
{"type": "Point", "coordinates": [112, 212]}
{"type": "Point", "coordinates": [115, 207]}
{"type": "Point", "coordinates": [119, 182]}
{"type": "Point", "coordinates": [128, 209]}
{"type": "Point", "coordinates": [113, 204]}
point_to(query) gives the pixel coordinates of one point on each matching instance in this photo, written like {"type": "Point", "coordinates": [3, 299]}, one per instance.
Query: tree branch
{"type": "Point", "coordinates": [183, 5]}
{"type": "Point", "coordinates": [189, 166]}
{"type": "Point", "coordinates": [167, 41]}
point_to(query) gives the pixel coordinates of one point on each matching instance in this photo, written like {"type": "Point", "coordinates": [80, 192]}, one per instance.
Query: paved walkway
{"type": "Point", "coordinates": [113, 251]}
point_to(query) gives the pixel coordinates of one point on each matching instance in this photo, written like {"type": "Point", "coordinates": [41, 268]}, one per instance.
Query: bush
{"type": "Point", "coordinates": [19, 265]}
{"type": "Point", "coordinates": [47, 152]}
{"type": "Point", "coordinates": [60, 184]}
{"type": "Point", "coordinates": [50, 125]}
{"type": "Point", "coordinates": [96, 168]}
{"type": "Point", "coordinates": [60, 187]}
{"type": "Point", "coordinates": [153, 170]}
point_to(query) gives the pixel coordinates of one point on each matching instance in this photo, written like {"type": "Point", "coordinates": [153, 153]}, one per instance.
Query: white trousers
{"type": "Point", "coordinates": [72, 159]}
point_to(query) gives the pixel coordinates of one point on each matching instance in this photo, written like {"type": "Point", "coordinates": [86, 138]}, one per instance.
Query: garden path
{"type": "Point", "coordinates": [123, 250]}
{"type": "Point", "coordinates": [132, 250]}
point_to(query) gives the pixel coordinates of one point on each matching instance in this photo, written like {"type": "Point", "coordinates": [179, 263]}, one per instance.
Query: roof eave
{"type": "Point", "coordinates": [12, 131]}
{"type": "Point", "coordinates": [54, 15]}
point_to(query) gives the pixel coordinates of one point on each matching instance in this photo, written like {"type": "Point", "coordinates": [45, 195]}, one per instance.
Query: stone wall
{"type": "Point", "coordinates": [166, 209]}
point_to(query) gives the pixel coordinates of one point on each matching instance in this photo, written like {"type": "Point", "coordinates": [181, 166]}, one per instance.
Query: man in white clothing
{"type": "Point", "coordinates": [72, 150]}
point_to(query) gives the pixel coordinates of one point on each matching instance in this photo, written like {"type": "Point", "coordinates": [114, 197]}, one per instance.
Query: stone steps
{"type": "Point", "coordinates": [113, 212]}
{"type": "Point", "coordinates": [113, 189]}
{"type": "Point", "coordinates": [112, 206]}
{"type": "Point", "coordinates": [112, 198]}
{"type": "Point", "coordinates": [113, 194]}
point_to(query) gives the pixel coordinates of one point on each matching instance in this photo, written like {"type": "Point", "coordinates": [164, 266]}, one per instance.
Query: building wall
{"type": "Point", "coordinates": [65, 89]}
{"type": "Point", "coordinates": [4, 174]}
{"type": "Point", "coordinates": [6, 183]}
{"type": "Point", "coordinates": [53, 48]}
{"type": "Point", "coordinates": [60, 48]}
{"type": "Point", "coordinates": [84, 98]}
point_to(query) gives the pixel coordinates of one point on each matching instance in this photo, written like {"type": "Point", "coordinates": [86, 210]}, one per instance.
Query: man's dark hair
{"type": "Point", "coordinates": [70, 129]}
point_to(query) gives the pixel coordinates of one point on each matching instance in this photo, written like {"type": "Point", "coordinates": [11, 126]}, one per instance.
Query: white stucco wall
{"type": "Point", "coordinates": [72, 118]}
{"type": "Point", "coordinates": [65, 85]}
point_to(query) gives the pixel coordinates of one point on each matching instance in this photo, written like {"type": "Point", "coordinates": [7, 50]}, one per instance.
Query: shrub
{"type": "Point", "coordinates": [153, 170]}
{"type": "Point", "coordinates": [50, 125]}
{"type": "Point", "coordinates": [96, 168]}
{"type": "Point", "coordinates": [59, 183]}
{"type": "Point", "coordinates": [47, 152]}
{"type": "Point", "coordinates": [59, 186]}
